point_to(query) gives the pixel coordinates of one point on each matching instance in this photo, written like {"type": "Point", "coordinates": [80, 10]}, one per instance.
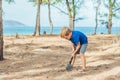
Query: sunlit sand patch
{"type": "Point", "coordinates": [102, 75]}
{"type": "Point", "coordinates": [24, 73]}
{"type": "Point", "coordinates": [100, 62]}
{"type": "Point", "coordinates": [41, 49]}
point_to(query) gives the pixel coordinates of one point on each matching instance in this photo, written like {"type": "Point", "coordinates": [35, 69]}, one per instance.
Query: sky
{"type": "Point", "coordinates": [25, 12]}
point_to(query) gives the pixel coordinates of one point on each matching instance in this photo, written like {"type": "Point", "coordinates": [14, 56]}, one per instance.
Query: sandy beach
{"type": "Point", "coordinates": [45, 58]}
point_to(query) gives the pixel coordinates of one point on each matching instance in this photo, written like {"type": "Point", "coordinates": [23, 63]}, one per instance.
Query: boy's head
{"type": "Point", "coordinates": [66, 33]}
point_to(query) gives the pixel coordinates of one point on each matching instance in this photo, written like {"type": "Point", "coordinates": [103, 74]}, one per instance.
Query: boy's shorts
{"type": "Point", "coordinates": [82, 49]}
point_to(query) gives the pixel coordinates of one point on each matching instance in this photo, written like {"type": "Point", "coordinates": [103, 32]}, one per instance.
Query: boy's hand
{"type": "Point", "coordinates": [73, 55]}
{"type": "Point", "coordinates": [76, 49]}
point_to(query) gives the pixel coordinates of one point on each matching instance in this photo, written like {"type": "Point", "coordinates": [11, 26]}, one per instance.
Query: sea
{"type": "Point", "coordinates": [27, 30]}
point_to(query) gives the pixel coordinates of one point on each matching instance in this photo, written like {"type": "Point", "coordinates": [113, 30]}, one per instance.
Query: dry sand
{"type": "Point", "coordinates": [45, 58]}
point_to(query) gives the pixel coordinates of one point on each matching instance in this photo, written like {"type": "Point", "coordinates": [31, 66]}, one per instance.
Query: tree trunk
{"type": "Point", "coordinates": [74, 13]}
{"type": "Point", "coordinates": [110, 19]}
{"type": "Point", "coordinates": [96, 16]}
{"type": "Point", "coordinates": [37, 27]}
{"type": "Point", "coordinates": [49, 15]}
{"type": "Point", "coordinates": [111, 5]}
{"type": "Point", "coordinates": [96, 21]}
{"type": "Point", "coordinates": [1, 32]}
{"type": "Point", "coordinates": [71, 19]}
{"type": "Point", "coordinates": [71, 22]}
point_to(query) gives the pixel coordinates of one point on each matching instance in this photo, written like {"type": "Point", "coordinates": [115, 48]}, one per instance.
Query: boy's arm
{"type": "Point", "coordinates": [73, 46]}
{"type": "Point", "coordinates": [76, 49]}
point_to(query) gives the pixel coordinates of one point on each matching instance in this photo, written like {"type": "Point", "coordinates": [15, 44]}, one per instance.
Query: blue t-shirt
{"type": "Point", "coordinates": [77, 37]}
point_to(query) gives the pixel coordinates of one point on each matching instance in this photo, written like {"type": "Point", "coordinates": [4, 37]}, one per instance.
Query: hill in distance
{"type": "Point", "coordinates": [12, 23]}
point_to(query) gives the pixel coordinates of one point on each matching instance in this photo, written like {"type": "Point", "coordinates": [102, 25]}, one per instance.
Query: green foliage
{"type": "Point", "coordinates": [56, 1]}
{"type": "Point", "coordinates": [34, 1]}
{"type": "Point", "coordinates": [10, 1]}
{"type": "Point", "coordinates": [115, 4]}
{"type": "Point", "coordinates": [44, 2]}
{"type": "Point", "coordinates": [103, 22]}
{"type": "Point", "coordinates": [80, 18]}
{"type": "Point", "coordinates": [101, 15]}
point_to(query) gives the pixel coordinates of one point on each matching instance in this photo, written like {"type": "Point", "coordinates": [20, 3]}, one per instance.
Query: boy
{"type": "Point", "coordinates": [79, 44]}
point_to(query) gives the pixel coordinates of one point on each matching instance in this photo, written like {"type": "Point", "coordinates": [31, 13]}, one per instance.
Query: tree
{"type": "Point", "coordinates": [72, 11]}
{"type": "Point", "coordinates": [1, 32]}
{"type": "Point", "coordinates": [96, 4]}
{"type": "Point", "coordinates": [113, 7]}
{"type": "Point", "coordinates": [37, 27]}
{"type": "Point", "coordinates": [72, 7]}
{"type": "Point", "coordinates": [49, 3]}
{"type": "Point", "coordinates": [49, 15]}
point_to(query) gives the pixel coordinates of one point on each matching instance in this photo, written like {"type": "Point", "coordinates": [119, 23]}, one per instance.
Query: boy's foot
{"type": "Point", "coordinates": [82, 71]}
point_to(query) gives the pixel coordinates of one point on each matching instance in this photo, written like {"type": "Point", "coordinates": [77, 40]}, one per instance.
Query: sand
{"type": "Point", "coordinates": [45, 58]}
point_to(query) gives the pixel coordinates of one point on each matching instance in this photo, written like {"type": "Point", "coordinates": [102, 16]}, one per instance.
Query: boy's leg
{"type": "Point", "coordinates": [82, 56]}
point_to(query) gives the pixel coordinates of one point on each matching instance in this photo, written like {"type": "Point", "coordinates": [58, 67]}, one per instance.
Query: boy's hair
{"type": "Point", "coordinates": [64, 32]}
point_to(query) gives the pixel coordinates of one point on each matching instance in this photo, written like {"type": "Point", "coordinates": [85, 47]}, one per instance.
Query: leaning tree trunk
{"type": "Point", "coordinates": [37, 27]}
{"type": "Point", "coordinates": [50, 21]}
{"type": "Point", "coordinates": [1, 33]}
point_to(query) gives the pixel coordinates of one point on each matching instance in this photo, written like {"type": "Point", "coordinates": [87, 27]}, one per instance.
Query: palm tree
{"type": "Point", "coordinates": [37, 27]}
{"type": "Point", "coordinates": [1, 32]}
{"type": "Point", "coordinates": [49, 3]}
{"type": "Point", "coordinates": [49, 15]}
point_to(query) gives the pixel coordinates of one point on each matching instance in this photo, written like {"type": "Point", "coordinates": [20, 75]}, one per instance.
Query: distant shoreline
{"type": "Point", "coordinates": [56, 30]}
{"type": "Point", "coordinates": [54, 35]}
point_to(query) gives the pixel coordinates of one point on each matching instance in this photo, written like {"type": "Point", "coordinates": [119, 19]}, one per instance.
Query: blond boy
{"type": "Point", "coordinates": [79, 44]}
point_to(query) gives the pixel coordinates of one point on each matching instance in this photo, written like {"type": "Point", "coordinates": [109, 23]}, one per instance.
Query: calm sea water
{"type": "Point", "coordinates": [56, 30]}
